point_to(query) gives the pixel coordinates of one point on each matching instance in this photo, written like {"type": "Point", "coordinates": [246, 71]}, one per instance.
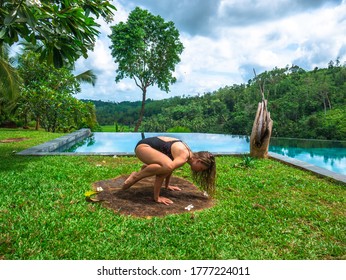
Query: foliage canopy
{"type": "Point", "coordinates": [47, 96]}
{"type": "Point", "coordinates": [66, 28]}
{"type": "Point", "coordinates": [60, 31]}
{"type": "Point", "coordinates": [146, 49]}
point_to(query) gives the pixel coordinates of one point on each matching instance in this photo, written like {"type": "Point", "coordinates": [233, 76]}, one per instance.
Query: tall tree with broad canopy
{"type": "Point", "coordinates": [146, 49]}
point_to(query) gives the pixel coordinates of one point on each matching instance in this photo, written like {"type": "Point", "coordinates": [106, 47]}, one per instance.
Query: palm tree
{"type": "Point", "coordinates": [9, 82]}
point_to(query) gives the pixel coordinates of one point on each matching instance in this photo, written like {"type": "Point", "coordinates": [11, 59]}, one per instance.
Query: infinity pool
{"type": "Point", "coordinates": [330, 155]}
{"type": "Point", "coordinates": [100, 142]}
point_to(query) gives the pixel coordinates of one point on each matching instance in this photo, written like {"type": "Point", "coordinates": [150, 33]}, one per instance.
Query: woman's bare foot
{"type": "Point", "coordinates": [129, 181]}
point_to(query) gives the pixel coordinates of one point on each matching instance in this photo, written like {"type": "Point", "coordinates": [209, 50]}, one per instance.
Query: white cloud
{"type": "Point", "coordinates": [235, 38]}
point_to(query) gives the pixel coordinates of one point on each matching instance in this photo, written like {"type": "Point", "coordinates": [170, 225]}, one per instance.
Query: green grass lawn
{"type": "Point", "coordinates": [113, 128]}
{"type": "Point", "coordinates": [108, 128]}
{"type": "Point", "coordinates": [266, 211]}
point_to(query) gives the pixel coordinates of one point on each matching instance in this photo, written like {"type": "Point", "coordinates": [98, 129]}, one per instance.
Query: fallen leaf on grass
{"type": "Point", "coordinates": [89, 198]}
{"type": "Point", "coordinates": [90, 193]}
{"type": "Point", "coordinates": [256, 206]}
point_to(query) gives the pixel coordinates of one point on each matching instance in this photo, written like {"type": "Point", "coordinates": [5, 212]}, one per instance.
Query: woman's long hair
{"type": "Point", "coordinates": [206, 178]}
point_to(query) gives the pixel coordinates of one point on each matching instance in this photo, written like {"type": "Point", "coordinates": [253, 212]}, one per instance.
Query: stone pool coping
{"type": "Point", "coordinates": [48, 148]}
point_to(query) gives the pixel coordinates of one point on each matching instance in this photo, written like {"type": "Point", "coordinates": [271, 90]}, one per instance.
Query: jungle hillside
{"type": "Point", "coordinates": [303, 104]}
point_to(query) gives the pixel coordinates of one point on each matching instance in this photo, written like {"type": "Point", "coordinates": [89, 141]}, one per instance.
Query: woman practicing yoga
{"type": "Point", "coordinates": [162, 155]}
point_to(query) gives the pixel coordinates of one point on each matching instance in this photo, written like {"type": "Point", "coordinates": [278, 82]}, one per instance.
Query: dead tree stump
{"type": "Point", "coordinates": [261, 132]}
{"type": "Point", "coordinates": [262, 127]}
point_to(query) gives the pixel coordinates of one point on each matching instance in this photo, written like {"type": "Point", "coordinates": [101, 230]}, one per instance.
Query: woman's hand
{"type": "Point", "coordinates": [173, 188]}
{"type": "Point", "coordinates": [164, 200]}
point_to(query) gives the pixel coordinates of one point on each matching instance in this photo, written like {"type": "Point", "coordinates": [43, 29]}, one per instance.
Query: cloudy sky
{"type": "Point", "coordinates": [224, 41]}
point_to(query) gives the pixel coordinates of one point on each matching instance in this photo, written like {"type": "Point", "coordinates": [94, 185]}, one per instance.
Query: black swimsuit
{"type": "Point", "coordinates": [159, 145]}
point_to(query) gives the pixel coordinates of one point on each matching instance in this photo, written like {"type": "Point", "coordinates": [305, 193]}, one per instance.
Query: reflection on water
{"type": "Point", "coordinates": [326, 154]}
{"type": "Point", "coordinates": [330, 155]}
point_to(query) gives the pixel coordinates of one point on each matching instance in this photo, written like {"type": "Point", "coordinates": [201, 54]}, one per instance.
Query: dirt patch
{"type": "Point", "coordinates": [11, 140]}
{"type": "Point", "coordinates": [138, 200]}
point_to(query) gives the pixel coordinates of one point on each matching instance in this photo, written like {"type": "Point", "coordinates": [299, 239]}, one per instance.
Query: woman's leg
{"type": "Point", "coordinates": [156, 163]}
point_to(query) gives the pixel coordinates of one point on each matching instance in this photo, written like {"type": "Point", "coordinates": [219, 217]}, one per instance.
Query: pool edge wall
{"type": "Point", "coordinates": [47, 148]}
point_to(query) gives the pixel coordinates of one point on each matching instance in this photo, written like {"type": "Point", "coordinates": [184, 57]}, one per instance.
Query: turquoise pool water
{"type": "Point", "coordinates": [330, 155]}
{"type": "Point", "coordinates": [100, 142]}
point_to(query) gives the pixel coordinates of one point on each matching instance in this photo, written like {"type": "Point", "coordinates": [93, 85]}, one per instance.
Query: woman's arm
{"type": "Point", "coordinates": [167, 180]}
{"type": "Point", "coordinates": [157, 187]}
{"type": "Point", "coordinates": [178, 162]}
{"type": "Point", "coordinates": [180, 154]}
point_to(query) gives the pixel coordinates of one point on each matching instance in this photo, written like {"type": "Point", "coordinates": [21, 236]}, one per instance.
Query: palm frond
{"type": "Point", "coordinates": [10, 80]}
{"type": "Point", "coordinates": [87, 77]}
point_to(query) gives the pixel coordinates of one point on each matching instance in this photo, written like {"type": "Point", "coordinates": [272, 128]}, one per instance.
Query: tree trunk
{"type": "Point", "coordinates": [141, 114]}
{"type": "Point", "coordinates": [261, 132]}
{"type": "Point", "coordinates": [37, 126]}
